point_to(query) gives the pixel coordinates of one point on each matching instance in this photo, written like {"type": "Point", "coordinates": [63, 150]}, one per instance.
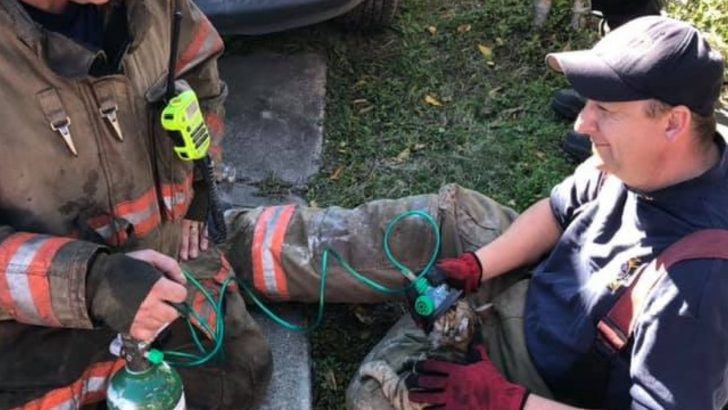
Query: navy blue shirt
{"type": "Point", "coordinates": [108, 38]}
{"type": "Point", "coordinates": [81, 22]}
{"type": "Point", "coordinates": [679, 355]}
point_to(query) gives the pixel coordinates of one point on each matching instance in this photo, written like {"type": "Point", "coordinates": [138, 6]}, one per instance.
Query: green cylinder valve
{"type": "Point", "coordinates": [146, 382]}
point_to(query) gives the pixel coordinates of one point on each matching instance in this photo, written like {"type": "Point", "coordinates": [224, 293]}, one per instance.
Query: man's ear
{"type": "Point", "coordinates": [678, 122]}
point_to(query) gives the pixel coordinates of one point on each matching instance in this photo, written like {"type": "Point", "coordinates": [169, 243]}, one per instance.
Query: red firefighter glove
{"type": "Point", "coordinates": [463, 272]}
{"type": "Point", "coordinates": [475, 386]}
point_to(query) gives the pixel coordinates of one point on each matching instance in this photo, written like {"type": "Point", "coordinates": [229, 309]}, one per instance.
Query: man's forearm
{"type": "Point", "coordinates": [532, 234]}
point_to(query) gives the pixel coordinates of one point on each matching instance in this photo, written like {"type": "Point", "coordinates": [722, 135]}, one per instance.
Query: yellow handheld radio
{"type": "Point", "coordinates": [182, 118]}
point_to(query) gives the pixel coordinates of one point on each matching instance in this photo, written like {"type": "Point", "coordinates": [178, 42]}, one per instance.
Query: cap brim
{"type": "Point", "coordinates": [591, 77]}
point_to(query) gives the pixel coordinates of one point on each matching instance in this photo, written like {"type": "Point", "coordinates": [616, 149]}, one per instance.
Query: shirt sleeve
{"type": "Point", "coordinates": [680, 352]}
{"type": "Point", "coordinates": [576, 190]}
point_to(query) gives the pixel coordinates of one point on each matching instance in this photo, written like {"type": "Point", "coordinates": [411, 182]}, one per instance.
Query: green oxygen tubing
{"type": "Point", "coordinates": [204, 354]}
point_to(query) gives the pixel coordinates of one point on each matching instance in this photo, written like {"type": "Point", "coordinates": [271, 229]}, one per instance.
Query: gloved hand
{"type": "Point", "coordinates": [463, 272]}
{"type": "Point", "coordinates": [127, 290]}
{"type": "Point", "coordinates": [475, 386]}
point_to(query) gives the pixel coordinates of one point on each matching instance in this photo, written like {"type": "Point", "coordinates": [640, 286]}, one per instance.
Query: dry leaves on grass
{"type": "Point", "coordinates": [431, 100]}
{"type": "Point", "coordinates": [330, 378]}
{"type": "Point", "coordinates": [487, 53]}
{"type": "Point", "coordinates": [337, 173]}
{"type": "Point", "coordinates": [363, 315]}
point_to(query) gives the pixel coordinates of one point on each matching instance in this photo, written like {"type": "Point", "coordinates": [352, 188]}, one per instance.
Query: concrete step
{"type": "Point", "coordinates": [274, 122]}
{"type": "Point", "coordinates": [291, 385]}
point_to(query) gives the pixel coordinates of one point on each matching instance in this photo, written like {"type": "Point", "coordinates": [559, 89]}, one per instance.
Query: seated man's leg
{"type": "Point", "coordinates": [280, 248]}
{"type": "Point", "coordinates": [502, 328]}
{"type": "Point", "coordinates": [239, 378]}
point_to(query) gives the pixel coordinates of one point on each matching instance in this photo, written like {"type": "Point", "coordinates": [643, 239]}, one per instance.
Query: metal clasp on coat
{"type": "Point", "coordinates": [63, 127]}
{"type": "Point", "coordinates": [110, 115]}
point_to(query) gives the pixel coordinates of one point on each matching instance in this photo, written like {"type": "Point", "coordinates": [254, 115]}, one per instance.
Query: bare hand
{"type": "Point", "coordinates": [194, 239]}
{"type": "Point", "coordinates": [155, 312]}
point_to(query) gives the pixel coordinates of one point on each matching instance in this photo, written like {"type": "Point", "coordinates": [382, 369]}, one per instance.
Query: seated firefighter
{"type": "Point", "coordinates": [659, 172]}
{"type": "Point", "coordinates": [95, 206]}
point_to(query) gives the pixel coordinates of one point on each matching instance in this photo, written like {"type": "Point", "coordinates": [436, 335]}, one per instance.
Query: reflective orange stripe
{"type": "Point", "coordinates": [204, 45]}
{"type": "Point", "coordinates": [89, 388]}
{"type": "Point", "coordinates": [276, 249]}
{"type": "Point", "coordinates": [142, 213]}
{"type": "Point", "coordinates": [215, 123]}
{"type": "Point", "coordinates": [257, 252]}
{"type": "Point", "coordinates": [270, 230]}
{"type": "Point", "coordinates": [224, 273]}
{"type": "Point", "coordinates": [202, 307]}
{"type": "Point", "coordinates": [8, 248]}
{"type": "Point", "coordinates": [25, 261]}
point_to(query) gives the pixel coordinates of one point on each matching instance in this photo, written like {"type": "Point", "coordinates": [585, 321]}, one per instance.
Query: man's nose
{"type": "Point", "coordinates": [586, 121]}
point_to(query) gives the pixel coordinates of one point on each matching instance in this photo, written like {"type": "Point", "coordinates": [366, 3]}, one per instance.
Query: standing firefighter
{"type": "Point", "coordinates": [95, 204]}
{"type": "Point", "coordinates": [659, 172]}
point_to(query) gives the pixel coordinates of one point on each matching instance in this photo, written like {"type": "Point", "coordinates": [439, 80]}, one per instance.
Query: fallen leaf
{"type": "Point", "coordinates": [432, 101]}
{"type": "Point", "coordinates": [510, 111]}
{"type": "Point", "coordinates": [464, 28]}
{"type": "Point", "coordinates": [363, 315]}
{"type": "Point", "coordinates": [432, 30]}
{"type": "Point", "coordinates": [331, 379]}
{"type": "Point", "coordinates": [499, 41]}
{"type": "Point", "coordinates": [540, 154]}
{"type": "Point", "coordinates": [337, 173]}
{"type": "Point", "coordinates": [418, 147]}
{"type": "Point", "coordinates": [360, 101]}
{"type": "Point", "coordinates": [313, 204]}
{"type": "Point", "coordinates": [493, 92]}
{"type": "Point", "coordinates": [403, 156]}
{"type": "Point", "coordinates": [486, 51]}
{"type": "Point", "coordinates": [366, 109]}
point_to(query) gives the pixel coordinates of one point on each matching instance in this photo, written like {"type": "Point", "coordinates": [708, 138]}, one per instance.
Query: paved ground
{"type": "Point", "coordinates": [274, 123]}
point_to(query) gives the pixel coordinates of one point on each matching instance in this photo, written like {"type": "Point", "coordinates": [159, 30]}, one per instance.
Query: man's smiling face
{"type": "Point", "coordinates": [625, 140]}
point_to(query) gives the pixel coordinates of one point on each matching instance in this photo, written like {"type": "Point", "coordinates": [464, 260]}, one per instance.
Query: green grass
{"type": "Point", "coordinates": [494, 131]}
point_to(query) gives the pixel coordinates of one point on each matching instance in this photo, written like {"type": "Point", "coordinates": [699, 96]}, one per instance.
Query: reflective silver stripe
{"type": "Point", "coordinates": [105, 231]}
{"type": "Point", "coordinates": [269, 267]}
{"type": "Point", "coordinates": [134, 218]}
{"type": "Point", "coordinates": [91, 385]}
{"type": "Point", "coordinates": [96, 384]}
{"type": "Point", "coordinates": [175, 199]}
{"type": "Point", "coordinates": [138, 217]}
{"type": "Point", "coordinates": [17, 279]}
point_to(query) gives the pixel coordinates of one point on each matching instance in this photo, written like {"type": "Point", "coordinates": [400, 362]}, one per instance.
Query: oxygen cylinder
{"type": "Point", "coordinates": [146, 382]}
